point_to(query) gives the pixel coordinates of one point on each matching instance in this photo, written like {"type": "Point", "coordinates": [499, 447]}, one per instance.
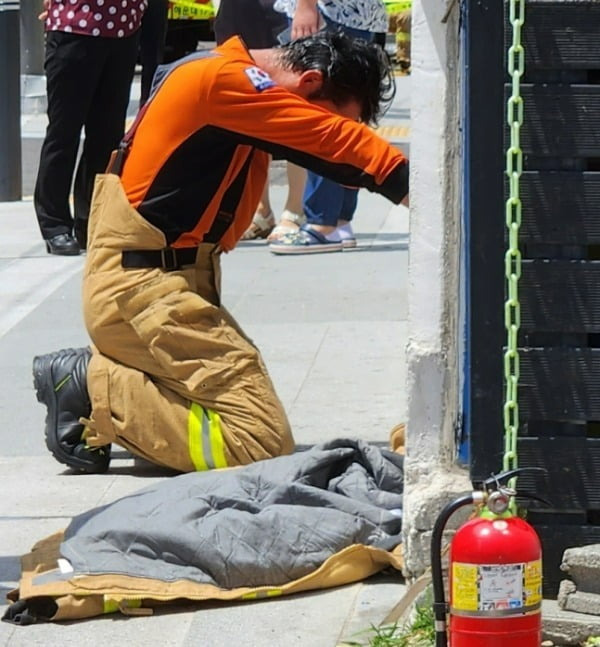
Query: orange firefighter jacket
{"type": "Point", "coordinates": [207, 132]}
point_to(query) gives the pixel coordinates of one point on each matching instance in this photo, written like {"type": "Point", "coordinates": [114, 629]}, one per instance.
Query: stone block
{"type": "Point", "coordinates": [570, 599]}
{"type": "Point", "coordinates": [567, 627]}
{"type": "Point", "coordinates": [583, 566]}
{"type": "Point", "coordinates": [567, 588]}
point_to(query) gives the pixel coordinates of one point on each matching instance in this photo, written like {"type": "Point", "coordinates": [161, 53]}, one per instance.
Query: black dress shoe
{"type": "Point", "coordinates": [63, 245]}
{"type": "Point", "coordinates": [60, 383]}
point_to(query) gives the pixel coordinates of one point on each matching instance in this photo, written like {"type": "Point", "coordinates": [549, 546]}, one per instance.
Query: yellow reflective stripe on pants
{"type": "Point", "coordinates": [205, 439]}
{"type": "Point", "coordinates": [112, 606]}
{"type": "Point", "coordinates": [259, 595]}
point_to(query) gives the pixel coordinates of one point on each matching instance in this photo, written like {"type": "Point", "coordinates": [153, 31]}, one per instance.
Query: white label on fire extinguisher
{"type": "Point", "coordinates": [496, 588]}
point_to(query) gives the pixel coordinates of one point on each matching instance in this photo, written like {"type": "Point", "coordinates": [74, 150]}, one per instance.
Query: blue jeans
{"type": "Point", "coordinates": [325, 201]}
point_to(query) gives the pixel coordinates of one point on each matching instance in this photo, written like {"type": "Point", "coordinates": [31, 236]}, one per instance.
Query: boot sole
{"type": "Point", "coordinates": [44, 391]}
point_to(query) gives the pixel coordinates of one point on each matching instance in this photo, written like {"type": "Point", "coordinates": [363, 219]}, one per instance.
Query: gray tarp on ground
{"type": "Point", "coordinates": [263, 524]}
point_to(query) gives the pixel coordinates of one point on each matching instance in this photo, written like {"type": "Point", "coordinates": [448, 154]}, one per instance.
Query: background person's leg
{"type": "Point", "coordinates": [322, 201]}
{"type": "Point", "coordinates": [105, 122]}
{"type": "Point", "coordinates": [349, 202]}
{"type": "Point", "coordinates": [263, 221]}
{"type": "Point", "coordinates": [72, 69]}
{"type": "Point", "coordinates": [344, 227]}
{"type": "Point", "coordinates": [152, 43]}
{"type": "Point", "coordinates": [292, 216]}
{"type": "Point", "coordinates": [296, 177]}
{"type": "Point", "coordinates": [254, 20]}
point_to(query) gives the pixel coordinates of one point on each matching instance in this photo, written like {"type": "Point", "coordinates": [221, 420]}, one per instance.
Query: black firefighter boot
{"type": "Point", "coordinates": [60, 383]}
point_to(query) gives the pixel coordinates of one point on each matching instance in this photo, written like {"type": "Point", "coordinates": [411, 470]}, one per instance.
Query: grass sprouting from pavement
{"type": "Point", "coordinates": [418, 633]}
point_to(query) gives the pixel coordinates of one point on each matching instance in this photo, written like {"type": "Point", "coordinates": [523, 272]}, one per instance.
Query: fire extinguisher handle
{"type": "Point", "coordinates": [522, 494]}
{"type": "Point", "coordinates": [496, 480]}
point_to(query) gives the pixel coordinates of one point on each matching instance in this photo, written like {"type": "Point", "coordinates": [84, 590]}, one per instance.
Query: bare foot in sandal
{"type": "Point", "coordinates": [288, 223]}
{"type": "Point", "coordinates": [260, 227]}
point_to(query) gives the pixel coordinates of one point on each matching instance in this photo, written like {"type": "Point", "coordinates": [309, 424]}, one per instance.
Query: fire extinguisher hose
{"type": "Point", "coordinates": [440, 608]}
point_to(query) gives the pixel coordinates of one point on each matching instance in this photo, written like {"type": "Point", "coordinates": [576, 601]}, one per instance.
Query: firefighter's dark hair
{"type": "Point", "coordinates": [351, 68]}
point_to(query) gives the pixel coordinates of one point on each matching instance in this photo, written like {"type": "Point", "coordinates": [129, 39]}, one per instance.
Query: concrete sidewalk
{"type": "Point", "coordinates": [332, 331]}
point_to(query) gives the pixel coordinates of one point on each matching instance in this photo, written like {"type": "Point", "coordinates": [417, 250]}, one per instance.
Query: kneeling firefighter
{"type": "Point", "coordinates": [171, 376]}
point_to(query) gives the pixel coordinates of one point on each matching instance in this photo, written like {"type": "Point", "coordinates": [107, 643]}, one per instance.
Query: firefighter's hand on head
{"type": "Point", "coordinates": [44, 13]}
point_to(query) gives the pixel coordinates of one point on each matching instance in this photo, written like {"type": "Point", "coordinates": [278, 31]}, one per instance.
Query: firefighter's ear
{"type": "Point", "coordinates": [310, 82]}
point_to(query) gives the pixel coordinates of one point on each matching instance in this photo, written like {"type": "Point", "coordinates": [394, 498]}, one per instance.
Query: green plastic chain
{"type": "Point", "coordinates": [512, 259]}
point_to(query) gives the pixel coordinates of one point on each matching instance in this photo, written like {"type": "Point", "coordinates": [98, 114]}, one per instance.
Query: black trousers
{"type": "Point", "coordinates": [152, 43]}
{"type": "Point", "coordinates": [88, 81]}
{"type": "Point", "coordinates": [254, 20]}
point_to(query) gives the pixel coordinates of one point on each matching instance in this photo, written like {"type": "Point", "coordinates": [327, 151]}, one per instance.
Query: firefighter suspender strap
{"type": "Point", "coordinates": [230, 200]}
{"type": "Point", "coordinates": [118, 157]}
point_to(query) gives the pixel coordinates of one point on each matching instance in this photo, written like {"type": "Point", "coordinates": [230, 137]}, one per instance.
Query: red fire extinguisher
{"type": "Point", "coordinates": [495, 573]}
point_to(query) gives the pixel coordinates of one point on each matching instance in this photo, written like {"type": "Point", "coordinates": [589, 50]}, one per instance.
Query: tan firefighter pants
{"type": "Point", "coordinates": [172, 377]}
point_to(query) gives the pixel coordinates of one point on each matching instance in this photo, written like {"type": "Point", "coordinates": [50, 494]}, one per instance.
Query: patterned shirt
{"type": "Point", "coordinates": [106, 18]}
{"type": "Point", "coordinates": [369, 15]}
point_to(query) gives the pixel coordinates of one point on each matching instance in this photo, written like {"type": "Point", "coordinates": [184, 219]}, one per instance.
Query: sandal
{"type": "Point", "coordinates": [305, 241]}
{"type": "Point", "coordinates": [296, 220]}
{"type": "Point", "coordinates": [260, 227]}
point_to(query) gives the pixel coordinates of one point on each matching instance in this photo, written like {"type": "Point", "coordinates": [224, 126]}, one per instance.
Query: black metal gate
{"type": "Point", "coordinates": [559, 386]}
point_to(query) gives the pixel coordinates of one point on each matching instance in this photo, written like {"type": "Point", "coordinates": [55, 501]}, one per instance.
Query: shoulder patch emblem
{"type": "Point", "coordinates": [259, 78]}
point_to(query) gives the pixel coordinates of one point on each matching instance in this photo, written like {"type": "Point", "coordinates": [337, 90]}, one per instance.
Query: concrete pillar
{"type": "Point", "coordinates": [433, 390]}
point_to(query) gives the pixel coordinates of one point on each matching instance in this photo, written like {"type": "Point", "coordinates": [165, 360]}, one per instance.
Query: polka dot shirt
{"type": "Point", "coordinates": [106, 18]}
